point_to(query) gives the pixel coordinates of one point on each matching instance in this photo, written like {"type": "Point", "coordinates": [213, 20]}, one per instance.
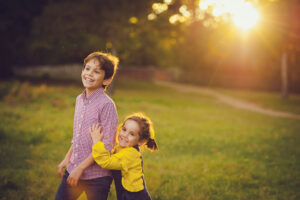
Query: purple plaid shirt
{"type": "Point", "coordinates": [96, 108]}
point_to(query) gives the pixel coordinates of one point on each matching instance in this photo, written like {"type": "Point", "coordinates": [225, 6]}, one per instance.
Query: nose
{"type": "Point", "coordinates": [89, 72]}
{"type": "Point", "coordinates": [125, 134]}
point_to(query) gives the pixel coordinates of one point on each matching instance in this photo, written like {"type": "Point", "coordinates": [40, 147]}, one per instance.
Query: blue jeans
{"type": "Point", "coordinates": [95, 189]}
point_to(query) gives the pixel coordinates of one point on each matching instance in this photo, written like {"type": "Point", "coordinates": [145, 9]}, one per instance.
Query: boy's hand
{"type": "Point", "coordinates": [61, 167]}
{"type": "Point", "coordinates": [74, 176]}
{"type": "Point", "coordinates": [96, 133]}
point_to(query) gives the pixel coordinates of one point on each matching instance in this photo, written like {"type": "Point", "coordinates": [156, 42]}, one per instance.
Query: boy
{"type": "Point", "coordinates": [92, 106]}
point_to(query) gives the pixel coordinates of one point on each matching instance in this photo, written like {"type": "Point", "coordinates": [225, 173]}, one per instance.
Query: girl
{"type": "Point", "coordinates": [126, 163]}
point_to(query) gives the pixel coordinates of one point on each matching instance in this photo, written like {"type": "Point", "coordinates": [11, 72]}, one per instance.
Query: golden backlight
{"type": "Point", "coordinates": [242, 13]}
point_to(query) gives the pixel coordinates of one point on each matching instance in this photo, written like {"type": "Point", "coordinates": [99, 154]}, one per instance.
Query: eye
{"type": "Point", "coordinates": [97, 72]}
{"type": "Point", "coordinates": [131, 134]}
{"type": "Point", "coordinates": [123, 128]}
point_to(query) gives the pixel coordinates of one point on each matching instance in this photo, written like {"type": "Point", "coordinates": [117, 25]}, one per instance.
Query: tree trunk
{"type": "Point", "coordinates": [284, 75]}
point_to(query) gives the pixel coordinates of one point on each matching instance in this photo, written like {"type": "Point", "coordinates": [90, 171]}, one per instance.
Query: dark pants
{"type": "Point", "coordinates": [95, 189]}
{"type": "Point", "coordinates": [123, 194]}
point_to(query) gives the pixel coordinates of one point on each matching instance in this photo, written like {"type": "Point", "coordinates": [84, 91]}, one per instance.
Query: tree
{"type": "Point", "coordinates": [15, 24]}
{"type": "Point", "coordinates": [211, 41]}
{"type": "Point", "coordinates": [69, 30]}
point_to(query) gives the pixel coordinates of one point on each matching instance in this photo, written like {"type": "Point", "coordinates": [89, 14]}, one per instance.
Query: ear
{"type": "Point", "coordinates": [107, 81]}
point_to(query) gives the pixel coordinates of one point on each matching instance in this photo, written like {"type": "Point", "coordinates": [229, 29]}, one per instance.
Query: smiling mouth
{"type": "Point", "coordinates": [88, 79]}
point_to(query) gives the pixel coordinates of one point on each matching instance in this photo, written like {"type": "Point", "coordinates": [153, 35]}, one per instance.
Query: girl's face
{"type": "Point", "coordinates": [129, 134]}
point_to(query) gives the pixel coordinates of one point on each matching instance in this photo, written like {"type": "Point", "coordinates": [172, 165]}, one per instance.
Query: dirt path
{"type": "Point", "coordinates": [228, 100]}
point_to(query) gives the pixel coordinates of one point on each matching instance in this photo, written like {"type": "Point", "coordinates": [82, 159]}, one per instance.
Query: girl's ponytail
{"type": "Point", "coordinates": [146, 130]}
{"type": "Point", "coordinates": [151, 144]}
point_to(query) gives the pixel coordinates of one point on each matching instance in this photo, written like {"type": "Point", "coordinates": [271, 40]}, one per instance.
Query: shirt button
{"type": "Point", "coordinates": [79, 125]}
{"type": "Point", "coordinates": [76, 145]}
{"type": "Point", "coordinates": [75, 165]}
{"type": "Point", "coordinates": [76, 154]}
{"type": "Point", "coordinates": [81, 116]}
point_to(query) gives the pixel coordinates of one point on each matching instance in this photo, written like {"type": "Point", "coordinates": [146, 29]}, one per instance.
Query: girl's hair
{"type": "Point", "coordinates": [146, 129]}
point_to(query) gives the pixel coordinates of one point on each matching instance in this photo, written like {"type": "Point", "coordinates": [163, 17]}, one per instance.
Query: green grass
{"type": "Point", "coordinates": [270, 100]}
{"type": "Point", "coordinates": [208, 150]}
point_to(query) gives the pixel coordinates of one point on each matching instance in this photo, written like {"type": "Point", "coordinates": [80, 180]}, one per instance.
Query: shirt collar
{"type": "Point", "coordinates": [92, 96]}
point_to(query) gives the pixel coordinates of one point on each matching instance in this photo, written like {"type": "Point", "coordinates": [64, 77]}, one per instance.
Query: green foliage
{"type": "Point", "coordinates": [207, 150]}
{"type": "Point", "coordinates": [15, 27]}
{"type": "Point", "coordinates": [74, 29]}
{"type": "Point", "coordinates": [64, 31]}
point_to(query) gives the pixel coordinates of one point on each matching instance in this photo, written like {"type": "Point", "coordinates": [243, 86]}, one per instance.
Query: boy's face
{"type": "Point", "coordinates": [93, 76]}
{"type": "Point", "coordinates": [129, 134]}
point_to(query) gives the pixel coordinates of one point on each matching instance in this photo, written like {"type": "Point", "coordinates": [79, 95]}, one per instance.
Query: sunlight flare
{"type": "Point", "coordinates": [243, 14]}
{"type": "Point", "coordinates": [152, 16]}
{"type": "Point", "coordinates": [168, 2]}
{"type": "Point", "coordinates": [133, 20]}
{"type": "Point", "coordinates": [246, 18]}
{"type": "Point", "coordinates": [183, 10]}
{"type": "Point", "coordinates": [159, 7]}
{"type": "Point", "coordinates": [177, 18]}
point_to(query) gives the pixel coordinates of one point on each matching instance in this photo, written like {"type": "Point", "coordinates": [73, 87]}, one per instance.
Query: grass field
{"type": "Point", "coordinates": [208, 150]}
{"type": "Point", "coordinates": [270, 100]}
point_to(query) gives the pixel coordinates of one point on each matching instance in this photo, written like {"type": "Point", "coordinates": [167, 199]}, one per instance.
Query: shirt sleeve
{"type": "Point", "coordinates": [74, 118]}
{"type": "Point", "coordinates": [103, 158]}
{"type": "Point", "coordinates": [109, 123]}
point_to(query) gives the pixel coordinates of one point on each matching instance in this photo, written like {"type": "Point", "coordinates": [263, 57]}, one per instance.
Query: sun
{"type": "Point", "coordinates": [245, 17]}
{"type": "Point", "coordinates": [243, 14]}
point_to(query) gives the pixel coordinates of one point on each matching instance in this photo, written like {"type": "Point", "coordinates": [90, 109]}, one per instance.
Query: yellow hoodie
{"type": "Point", "coordinates": [127, 159]}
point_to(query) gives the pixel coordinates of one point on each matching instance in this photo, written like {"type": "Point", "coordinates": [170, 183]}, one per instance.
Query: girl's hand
{"type": "Point", "coordinates": [96, 133]}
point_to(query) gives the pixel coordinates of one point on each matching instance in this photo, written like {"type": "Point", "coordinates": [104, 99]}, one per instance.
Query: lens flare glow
{"type": "Point", "coordinates": [168, 1]}
{"type": "Point", "coordinates": [246, 18]}
{"type": "Point", "coordinates": [203, 5]}
{"type": "Point", "coordinates": [152, 16]}
{"type": "Point", "coordinates": [133, 20]}
{"type": "Point", "coordinates": [243, 14]}
{"type": "Point", "coordinates": [177, 18]}
{"type": "Point", "coordinates": [183, 10]}
{"type": "Point", "coordinates": [159, 7]}
{"type": "Point", "coordinates": [218, 10]}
